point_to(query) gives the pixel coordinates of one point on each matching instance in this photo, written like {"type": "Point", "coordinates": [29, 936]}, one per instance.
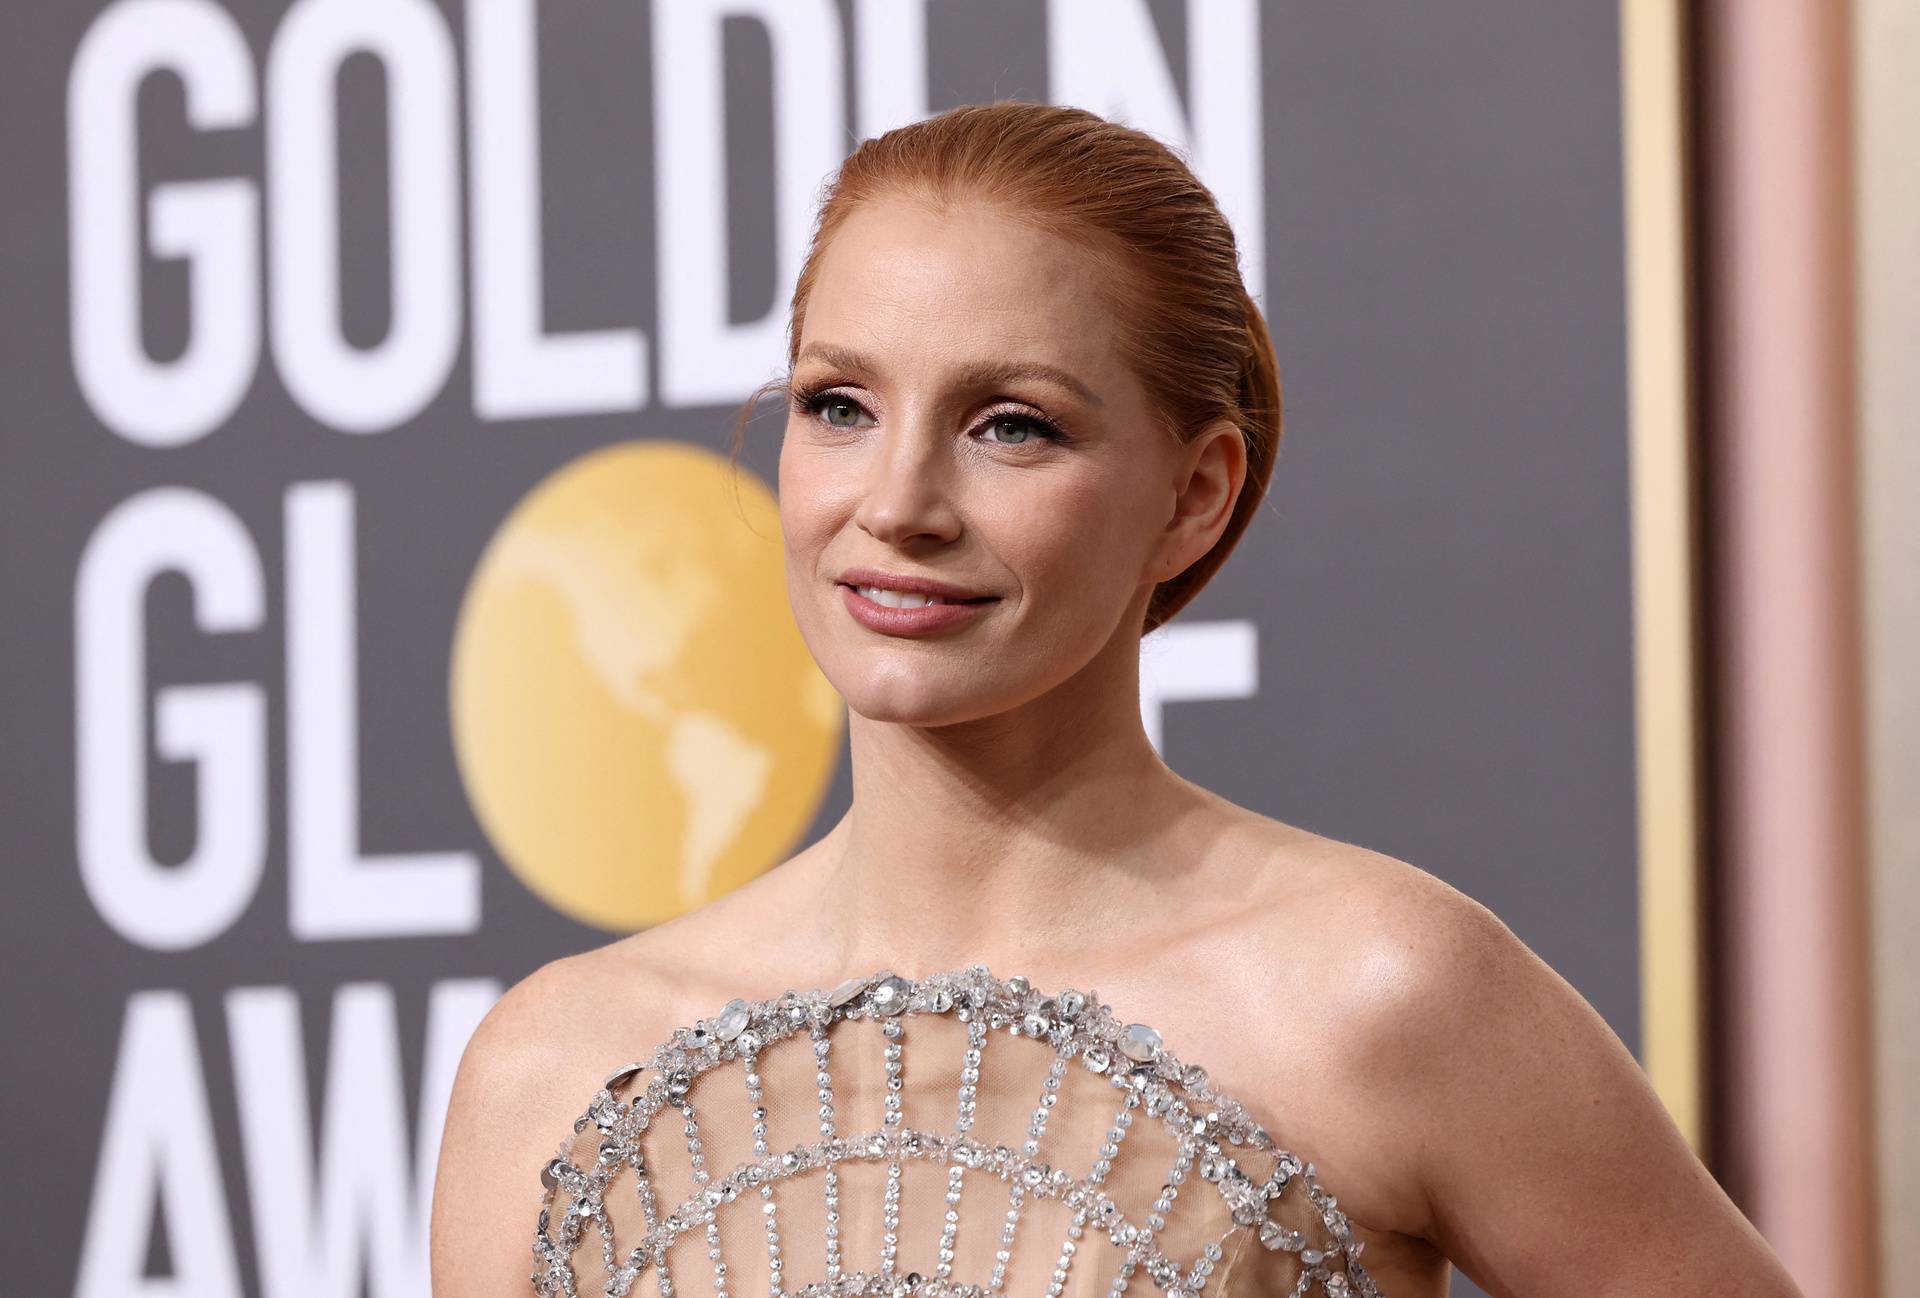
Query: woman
{"type": "Point", "coordinates": [1026, 380]}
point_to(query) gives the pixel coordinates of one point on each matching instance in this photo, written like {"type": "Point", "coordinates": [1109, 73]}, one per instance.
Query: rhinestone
{"type": "Point", "coordinates": [1019, 985]}
{"type": "Point", "coordinates": [1096, 1058]}
{"type": "Point", "coordinates": [890, 997]}
{"type": "Point", "coordinates": [732, 1020]}
{"type": "Point", "coordinates": [1276, 1236]}
{"type": "Point", "coordinates": [1035, 1025]}
{"type": "Point", "coordinates": [550, 1174]}
{"type": "Point", "coordinates": [1140, 1043]}
{"type": "Point", "coordinates": [941, 1000]}
{"type": "Point", "coordinates": [620, 1075]}
{"type": "Point", "coordinates": [1247, 1201]}
{"type": "Point", "coordinates": [1195, 1077]}
{"type": "Point", "coordinates": [1071, 1002]}
{"type": "Point", "coordinates": [698, 1038]}
{"type": "Point", "coordinates": [846, 991]}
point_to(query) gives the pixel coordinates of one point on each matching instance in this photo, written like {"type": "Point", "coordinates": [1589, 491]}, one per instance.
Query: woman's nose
{"type": "Point", "coordinates": [908, 488]}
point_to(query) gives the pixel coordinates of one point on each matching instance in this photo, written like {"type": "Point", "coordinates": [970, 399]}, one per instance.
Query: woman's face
{"type": "Point", "coordinates": [923, 453]}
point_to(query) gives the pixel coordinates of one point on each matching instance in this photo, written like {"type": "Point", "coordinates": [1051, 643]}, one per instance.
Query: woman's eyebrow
{"type": "Point", "coordinates": [978, 372]}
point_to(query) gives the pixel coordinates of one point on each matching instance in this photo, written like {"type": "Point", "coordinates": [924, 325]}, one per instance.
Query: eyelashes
{"type": "Point", "coordinates": [814, 402]}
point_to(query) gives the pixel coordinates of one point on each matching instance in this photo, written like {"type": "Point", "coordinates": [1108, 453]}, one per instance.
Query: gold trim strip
{"type": "Point", "coordinates": [1662, 474]}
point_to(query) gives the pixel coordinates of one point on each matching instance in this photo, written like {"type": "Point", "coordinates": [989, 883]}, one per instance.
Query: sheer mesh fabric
{"type": "Point", "coordinates": [1065, 1125]}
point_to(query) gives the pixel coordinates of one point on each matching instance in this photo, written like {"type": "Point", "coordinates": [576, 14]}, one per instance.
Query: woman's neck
{"type": "Point", "coordinates": [1040, 828]}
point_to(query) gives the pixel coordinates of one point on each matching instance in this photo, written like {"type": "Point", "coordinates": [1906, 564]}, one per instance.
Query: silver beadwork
{"type": "Point", "coordinates": [1148, 1081]}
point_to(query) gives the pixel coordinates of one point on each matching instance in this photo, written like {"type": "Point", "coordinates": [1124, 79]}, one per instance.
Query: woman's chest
{"type": "Point", "coordinates": [983, 1144]}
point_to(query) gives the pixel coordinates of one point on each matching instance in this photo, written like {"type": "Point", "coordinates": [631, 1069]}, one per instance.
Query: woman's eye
{"type": "Point", "coordinates": [1017, 425]}
{"type": "Point", "coordinates": [1026, 425]}
{"type": "Point", "coordinates": [830, 405]}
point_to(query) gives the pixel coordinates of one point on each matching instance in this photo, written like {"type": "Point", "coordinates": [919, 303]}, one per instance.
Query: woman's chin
{"type": "Point", "coordinates": [920, 698]}
{"type": "Point", "coordinates": [900, 712]}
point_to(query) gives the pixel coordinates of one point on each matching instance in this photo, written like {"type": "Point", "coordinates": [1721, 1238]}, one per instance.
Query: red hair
{"type": "Point", "coordinates": [1187, 326]}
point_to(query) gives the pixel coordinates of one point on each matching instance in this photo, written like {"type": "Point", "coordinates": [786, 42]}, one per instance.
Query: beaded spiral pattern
{"type": "Point", "coordinates": [1207, 1127]}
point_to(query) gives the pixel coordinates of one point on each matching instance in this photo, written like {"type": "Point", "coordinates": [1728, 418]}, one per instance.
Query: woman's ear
{"type": "Point", "coordinates": [1210, 470]}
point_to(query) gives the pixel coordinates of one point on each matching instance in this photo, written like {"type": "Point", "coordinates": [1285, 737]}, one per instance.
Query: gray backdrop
{"type": "Point", "coordinates": [1422, 646]}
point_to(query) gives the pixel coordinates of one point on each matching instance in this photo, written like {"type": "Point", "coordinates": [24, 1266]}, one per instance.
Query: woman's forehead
{"type": "Point", "coordinates": [970, 283]}
{"type": "Point", "coordinates": [907, 256]}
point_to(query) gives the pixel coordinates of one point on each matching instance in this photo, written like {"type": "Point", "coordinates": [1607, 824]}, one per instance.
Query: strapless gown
{"type": "Point", "coordinates": [955, 1136]}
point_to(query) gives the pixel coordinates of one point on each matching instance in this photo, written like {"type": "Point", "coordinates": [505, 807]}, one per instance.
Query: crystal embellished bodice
{"type": "Point", "coordinates": [956, 1136]}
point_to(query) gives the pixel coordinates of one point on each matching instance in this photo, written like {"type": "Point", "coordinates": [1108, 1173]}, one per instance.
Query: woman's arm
{"type": "Point", "coordinates": [509, 1108]}
{"type": "Point", "coordinates": [1549, 1164]}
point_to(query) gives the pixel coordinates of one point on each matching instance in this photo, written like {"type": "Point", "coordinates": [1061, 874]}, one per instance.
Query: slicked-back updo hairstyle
{"type": "Point", "coordinates": [1186, 324]}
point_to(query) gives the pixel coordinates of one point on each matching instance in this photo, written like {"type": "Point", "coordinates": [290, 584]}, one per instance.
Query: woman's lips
{"type": "Point", "coordinates": [925, 620]}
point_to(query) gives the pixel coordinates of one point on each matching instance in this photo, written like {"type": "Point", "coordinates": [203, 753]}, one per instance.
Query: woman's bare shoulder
{"type": "Point", "coordinates": [1400, 962]}
{"type": "Point", "coordinates": [1361, 954]}
{"type": "Point", "coordinates": [1461, 1063]}
{"type": "Point", "coordinates": [530, 1068]}
{"type": "Point", "coordinates": [1424, 979]}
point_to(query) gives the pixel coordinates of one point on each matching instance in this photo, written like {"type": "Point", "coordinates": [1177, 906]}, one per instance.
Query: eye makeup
{"type": "Point", "coordinates": [813, 402]}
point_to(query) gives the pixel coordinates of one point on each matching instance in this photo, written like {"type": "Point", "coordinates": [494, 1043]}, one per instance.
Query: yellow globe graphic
{"type": "Point", "coordinates": [637, 722]}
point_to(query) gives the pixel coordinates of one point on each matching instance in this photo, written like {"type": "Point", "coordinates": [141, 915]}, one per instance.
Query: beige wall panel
{"type": "Point", "coordinates": [1887, 224]}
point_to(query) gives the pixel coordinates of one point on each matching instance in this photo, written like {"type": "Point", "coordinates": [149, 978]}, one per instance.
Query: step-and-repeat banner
{"type": "Point", "coordinates": [383, 619]}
